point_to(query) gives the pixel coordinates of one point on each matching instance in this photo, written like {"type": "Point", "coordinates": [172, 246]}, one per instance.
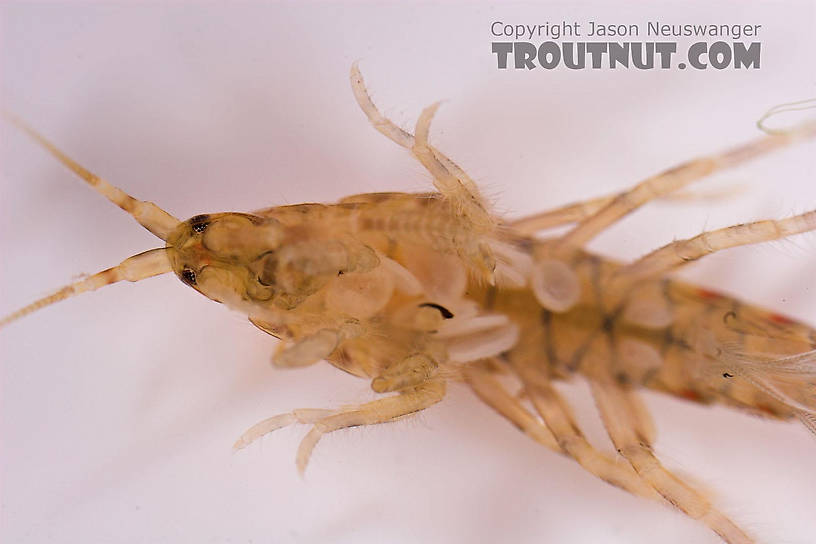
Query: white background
{"type": "Point", "coordinates": [118, 408]}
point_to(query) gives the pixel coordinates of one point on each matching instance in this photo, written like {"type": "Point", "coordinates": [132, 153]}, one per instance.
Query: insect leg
{"type": "Point", "coordinates": [371, 413]}
{"type": "Point", "coordinates": [680, 252]}
{"type": "Point", "coordinates": [489, 390]}
{"type": "Point", "coordinates": [578, 211]}
{"type": "Point", "coordinates": [674, 179]}
{"type": "Point", "coordinates": [560, 216]}
{"type": "Point", "coordinates": [308, 350]}
{"type": "Point", "coordinates": [380, 122]}
{"type": "Point", "coordinates": [623, 423]}
{"type": "Point", "coordinates": [324, 421]}
{"type": "Point", "coordinates": [305, 415]}
{"type": "Point", "coordinates": [449, 178]}
{"type": "Point", "coordinates": [410, 372]}
{"type": "Point", "coordinates": [387, 127]}
{"type": "Point", "coordinates": [460, 189]}
{"type": "Point", "coordinates": [312, 348]}
{"type": "Point", "coordinates": [558, 433]}
{"type": "Point", "coordinates": [555, 412]}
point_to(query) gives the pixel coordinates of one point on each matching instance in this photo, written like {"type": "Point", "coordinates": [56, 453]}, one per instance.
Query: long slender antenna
{"type": "Point", "coordinates": [141, 266]}
{"type": "Point", "coordinates": [149, 215]}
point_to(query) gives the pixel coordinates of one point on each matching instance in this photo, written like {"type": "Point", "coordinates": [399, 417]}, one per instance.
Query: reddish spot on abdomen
{"type": "Point", "coordinates": [766, 409]}
{"type": "Point", "coordinates": [690, 394]}
{"type": "Point", "coordinates": [709, 295]}
{"type": "Point", "coordinates": [781, 319]}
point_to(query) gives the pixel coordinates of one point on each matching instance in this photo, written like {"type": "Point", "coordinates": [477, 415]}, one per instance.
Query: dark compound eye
{"type": "Point", "coordinates": [199, 223]}
{"type": "Point", "coordinates": [188, 276]}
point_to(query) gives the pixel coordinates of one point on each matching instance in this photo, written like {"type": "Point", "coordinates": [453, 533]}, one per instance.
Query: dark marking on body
{"type": "Point", "coordinates": [595, 276]}
{"type": "Point", "coordinates": [391, 251]}
{"type": "Point", "coordinates": [447, 314]}
{"type": "Point", "coordinates": [549, 347]}
{"type": "Point", "coordinates": [622, 378]}
{"type": "Point", "coordinates": [648, 377]}
{"type": "Point", "coordinates": [579, 354]}
{"type": "Point", "coordinates": [525, 244]}
{"type": "Point", "coordinates": [490, 297]}
{"type": "Point", "coordinates": [736, 306]}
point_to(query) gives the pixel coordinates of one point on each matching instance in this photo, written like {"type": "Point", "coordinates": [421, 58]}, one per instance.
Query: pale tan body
{"type": "Point", "coordinates": [414, 290]}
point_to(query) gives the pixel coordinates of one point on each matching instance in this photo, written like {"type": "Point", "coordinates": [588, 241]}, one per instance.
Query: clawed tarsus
{"type": "Point", "coordinates": [326, 421]}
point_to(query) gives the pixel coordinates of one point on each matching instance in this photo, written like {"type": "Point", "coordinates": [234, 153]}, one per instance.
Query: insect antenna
{"type": "Point", "coordinates": [135, 268]}
{"type": "Point", "coordinates": [144, 265]}
{"type": "Point", "coordinates": [149, 215]}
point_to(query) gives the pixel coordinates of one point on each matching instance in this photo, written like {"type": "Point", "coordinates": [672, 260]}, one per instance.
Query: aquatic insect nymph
{"type": "Point", "coordinates": [413, 291]}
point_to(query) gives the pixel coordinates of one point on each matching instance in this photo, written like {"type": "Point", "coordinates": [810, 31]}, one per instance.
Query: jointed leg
{"type": "Point", "coordinates": [560, 216]}
{"type": "Point", "coordinates": [462, 191]}
{"type": "Point", "coordinates": [388, 128]}
{"type": "Point", "coordinates": [304, 415]}
{"type": "Point", "coordinates": [680, 252]}
{"type": "Point", "coordinates": [555, 412]}
{"type": "Point", "coordinates": [578, 211]}
{"type": "Point", "coordinates": [625, 427]}
{"type": "Point", "coordinates": [492, 393]}
{"type": "Point", "coordinates": [384, 125]}
{"type": "Point", "coordinates": [449, 178]}
{"type": "Point", "coordinates": [675, 178]}
{"type": "Point", "coordinates": [560, 433]}
{"type": "Point", "coordinates": [325, 421]}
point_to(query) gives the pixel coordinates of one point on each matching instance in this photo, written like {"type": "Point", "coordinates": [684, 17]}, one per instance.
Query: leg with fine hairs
{"type": "Point", "coordinates": [578, 211]}
{"type": "Point", "coordinates": [559, 216]}
{"type": "Point", "coordinates": [492, 393]}
{"type": "Point", "coordinates": [304, 415]}
{"type": "Point", "coordinates": [325, 421]}
{"type": "Point", "coordinates": [680, 252]}
{"type": "Point", "coordinates": [555, 413]}
{"type": "Point", "coordinates": [460, 190]}
{"type": "Point", "coordinates": [387, 127]}
{"type": "Point", "coordinates": [449, 178]}
{"type": "Point", "coordinates": [674, 179]}
{"type": "Point", "coordinates": [384, 125]}
{"type": "Point", "coordinates": [623, 422]}
{"type": "Point", "coordinates": [558, 433]}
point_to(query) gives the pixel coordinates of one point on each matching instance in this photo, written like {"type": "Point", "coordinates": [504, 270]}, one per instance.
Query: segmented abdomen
{"type": "Point", "coordinates": [664, 335]}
